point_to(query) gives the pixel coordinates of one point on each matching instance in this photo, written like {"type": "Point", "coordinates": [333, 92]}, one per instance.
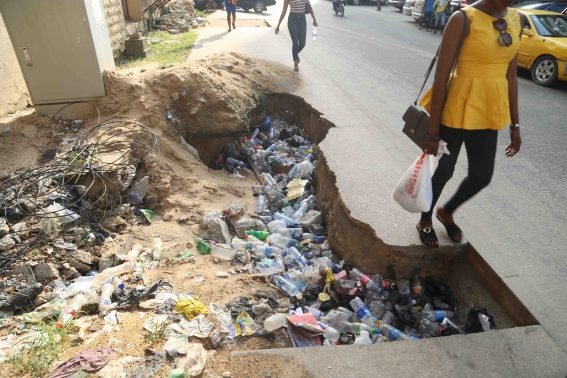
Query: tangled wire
{"type": "Point", "coordinates": [84, 185]}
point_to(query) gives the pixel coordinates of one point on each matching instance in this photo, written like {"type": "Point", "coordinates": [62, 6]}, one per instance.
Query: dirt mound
{"type": "Point", "coordinates": [210, 98]}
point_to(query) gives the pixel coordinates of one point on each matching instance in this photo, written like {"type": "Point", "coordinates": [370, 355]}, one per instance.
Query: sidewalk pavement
{"type": "Point", "coordinates": [377, 157]}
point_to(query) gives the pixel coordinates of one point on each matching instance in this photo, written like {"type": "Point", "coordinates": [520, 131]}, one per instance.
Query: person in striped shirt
{"type": "Point", "coordinates": [297, 25]}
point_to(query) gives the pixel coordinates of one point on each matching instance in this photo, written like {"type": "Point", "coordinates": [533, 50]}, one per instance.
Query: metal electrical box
{"type": "Point", "coordinates": [62, 47]}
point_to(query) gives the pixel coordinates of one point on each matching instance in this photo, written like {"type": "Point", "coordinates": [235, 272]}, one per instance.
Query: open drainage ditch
{"type": "Point", "coordinates": [471, 279]}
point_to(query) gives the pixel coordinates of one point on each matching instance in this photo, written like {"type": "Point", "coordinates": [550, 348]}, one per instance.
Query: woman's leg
{"type": "Point", "coordinates": [228, 20]}
{"type": "Point", "coordinates": [444, 172]}
{"type": "Point", "coordinates": [481, 154]}
{"type": "Point", "coordinates": [234, 20]}
{"type": "Point", "coordinates": [446, 167]}
{"type": "Point", "coordinates": [302, 25]}
{"type": "Point", "coordinates": [293, 28]}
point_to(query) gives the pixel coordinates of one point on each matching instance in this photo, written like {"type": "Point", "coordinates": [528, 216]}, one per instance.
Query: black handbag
{"type": "Point", "coordinates": [416, 118]}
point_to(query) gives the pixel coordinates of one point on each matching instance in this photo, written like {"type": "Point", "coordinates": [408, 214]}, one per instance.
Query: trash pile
{"type": "Point", "coordinates": [329, 303]}
{"type": "Point", "coordinates": [54, 219]}
{"type": "Point", "coordinates": [178, 18]}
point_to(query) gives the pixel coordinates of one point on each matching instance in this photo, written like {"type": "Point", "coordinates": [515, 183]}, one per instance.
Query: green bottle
{"type": "Point", "coordinates": [203, 247]}
{"type": "Point", "coordinates": [262, 235]}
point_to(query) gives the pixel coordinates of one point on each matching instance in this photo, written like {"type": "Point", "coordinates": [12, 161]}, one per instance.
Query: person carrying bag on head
{"type": "Point", "coordinates": [469, 106]}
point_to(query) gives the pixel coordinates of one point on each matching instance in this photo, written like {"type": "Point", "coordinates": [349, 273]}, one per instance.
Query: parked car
{"type": "Point", "coordinates": [408, 7]}
{"type": "Point", "coordinates": [543, 47]}
{"type": "Point", "coordinates": [557, 6]}
{"type": "Point", "coordinates": [397, 4]}
{"type": "Point", "coordinates": [258, 5]}
{"type": "Point", "coordinates": [417, 12]}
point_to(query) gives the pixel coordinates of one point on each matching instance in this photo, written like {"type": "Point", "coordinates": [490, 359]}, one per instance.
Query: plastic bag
{"type": "Point", "coordinates": [414, 191]}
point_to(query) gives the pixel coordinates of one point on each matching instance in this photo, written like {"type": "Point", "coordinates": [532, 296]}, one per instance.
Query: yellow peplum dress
{"type": "Point", "coordinates": [478, 93]}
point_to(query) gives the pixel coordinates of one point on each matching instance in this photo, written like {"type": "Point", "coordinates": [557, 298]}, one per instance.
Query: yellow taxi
{"type": "Point", "coordinates": [543, 48]}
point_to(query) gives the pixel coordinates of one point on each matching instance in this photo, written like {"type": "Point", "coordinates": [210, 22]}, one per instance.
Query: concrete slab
{"type": "Point", "coordinates": [515, 352]}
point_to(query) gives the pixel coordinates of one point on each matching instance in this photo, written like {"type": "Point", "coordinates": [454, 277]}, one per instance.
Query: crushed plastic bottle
{"type": "Point", "coordinates": [365, 280]}
{"type": "Point", "coordinates": [286, 286]}
{"type": "Point", "coordinates": [363, 312]}
{"type": "Point", "coordinates": [394, 334]}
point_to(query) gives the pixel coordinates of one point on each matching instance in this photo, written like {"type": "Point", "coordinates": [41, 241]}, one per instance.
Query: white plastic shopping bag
{"type": "Point", "coordinates": [414, 192]}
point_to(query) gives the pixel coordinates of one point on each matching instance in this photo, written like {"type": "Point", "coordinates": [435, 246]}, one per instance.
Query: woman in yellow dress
{"type": "Point", "coordinates": [481, 99]}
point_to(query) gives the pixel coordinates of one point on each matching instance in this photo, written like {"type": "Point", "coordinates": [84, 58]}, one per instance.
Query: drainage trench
{"type": "Point", "coordinates": [469, 276]}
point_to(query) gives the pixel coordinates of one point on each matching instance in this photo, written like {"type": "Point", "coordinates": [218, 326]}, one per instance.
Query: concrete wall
{"type": "Point", "coordinates": [116, 24]}
{"type": "Point", "coordinates": [13, 91]}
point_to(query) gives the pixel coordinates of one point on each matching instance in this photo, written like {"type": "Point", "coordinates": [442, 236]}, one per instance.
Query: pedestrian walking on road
{"type": "Point", "coordinates": [427, 18]}
{"type": "Point", "coordinates": [297, 25]}
{"type": "Point", "coordinates": [230, 6]}
{"type": "Point", "coordinates": [378, 5]}
{"type": "Point", "coordinates": [481, 98]}
{"type": "Point", "coordinates": [440, 14]}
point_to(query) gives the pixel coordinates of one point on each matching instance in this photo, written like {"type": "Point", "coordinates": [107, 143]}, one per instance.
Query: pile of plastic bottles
{"type": "Point", "coordinates": [350, 306]}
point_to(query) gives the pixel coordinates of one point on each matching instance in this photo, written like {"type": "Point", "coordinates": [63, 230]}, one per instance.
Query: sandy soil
{"type": "Point", "coordinates": [221, 90]}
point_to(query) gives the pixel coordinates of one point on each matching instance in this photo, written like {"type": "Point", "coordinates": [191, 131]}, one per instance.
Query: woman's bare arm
{"type": "Point", "coordinates": [284, 11]}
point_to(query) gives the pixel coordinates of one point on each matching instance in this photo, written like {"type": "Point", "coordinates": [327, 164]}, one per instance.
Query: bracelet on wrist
{"type": "Point", "coordinates": [514, 126]}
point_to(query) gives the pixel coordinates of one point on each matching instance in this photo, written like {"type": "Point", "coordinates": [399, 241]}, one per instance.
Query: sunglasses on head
{"type": "Point", "coordinates": [504, 39]}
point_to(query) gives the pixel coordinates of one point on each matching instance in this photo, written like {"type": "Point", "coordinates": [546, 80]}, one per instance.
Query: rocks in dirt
{"type": "Point", "coordinates": [26, 271]}
{"type": "Point", "coordinates": [138, 191]}
{"type": "Point", "coordinates": [218, 231]}
{"type": "Point", "coordinates": [4, 228]}
{"type": "Point", "coordinates": [7, 243]}
{"type": "Point", "coordinates": [177, 18]}
{"type": "Point", "coordinates": [247, 224]}
{"type": "Point", "coordinates": [22, 299]}
{"type": "Point", "coordinates": [46, 272]}
{"type": "Point", "coordinates": [81, 260]}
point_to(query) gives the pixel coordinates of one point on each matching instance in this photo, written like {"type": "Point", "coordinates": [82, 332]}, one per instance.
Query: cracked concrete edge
{"type": "Point", "coordinates": [518, 352]}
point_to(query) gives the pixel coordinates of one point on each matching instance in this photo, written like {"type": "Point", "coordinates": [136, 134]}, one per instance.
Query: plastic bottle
{"type": "Point", "coordinates": [267, 251]}
{"type": "Point", "coordinates": [362, 312]}
{"type": "Point", "coordinates": [394, 334]}
{"type": "Point", "coordinates": [275, 225]}
{"type": "Point", "coordinates": [134, 252]}
{"type": "Point", "coordinates": [275, 321]}
{"type": "Point", "coordinates": [436, 315]}
{"type": "Point", "coordinates": [287, 220]}
{"type": "Point", "coordinates": [286, 285]}
{"type": "Point", "coordinates": [405, 292]}
{"type": "Point", "coordinates": [72, 308]}
{"type": "Point", "coordinates": [262, 235]}
{"type": "Point", "coordinates": [313, 238]}
{"type": "Point", "coordinates": [156, 248]}
{"type": "Point", "coordinates": [303, 207]}
{"type": "Point", "coordinates": [222, 252]}
{"type": "Point", "coordinates": [377, 308]}
{"type": "Point", "coordinates": [365, 280]}
{"type": "Point", "coordinates": [246, 245]}
{"type": "Point", "coordinates": [106, 274]}
{"type": "Point", "coordinates": [262, 204]}
{"type": "Point", "coordinates": [330, 333]}
{"type": "Point", "coordinates": [304, 169]}
{"type": "Point", "coordinates": [388, 318]}
{"type": "Point", "coordinates": [314, 33]}
{"type": "Point", "coordinates": [281, 241]}
{"type": "Point", "coordinates": [270, 180]}
{"type": "Point", "coordinates": [294, 255]}
{"type": "Point", "coordinates": [428, 328]}
{"type": "Point", "coordinates": [105, 303]}
{"type": "Point", "coordinates": [295, 233]}
{"type": "Point", "coordinates": [235, 162]}
{"type": "Point", "coordinates": [363, 339]}
{"type": "Point", "coordinates": [203, 247]}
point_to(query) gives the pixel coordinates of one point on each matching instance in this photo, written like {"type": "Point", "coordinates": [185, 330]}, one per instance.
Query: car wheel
{"type": "Point", "coordinates": [544, 71]}
{"type": "Point", "coordinates": [259, 6]}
